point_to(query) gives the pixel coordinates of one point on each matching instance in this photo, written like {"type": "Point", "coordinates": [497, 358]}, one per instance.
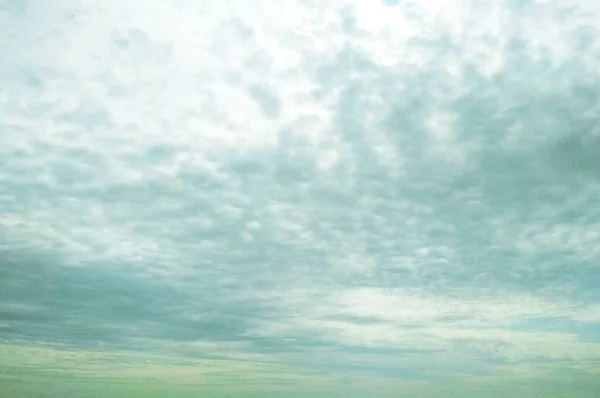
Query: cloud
{"type": "Point", "coordinates": [402, 193]}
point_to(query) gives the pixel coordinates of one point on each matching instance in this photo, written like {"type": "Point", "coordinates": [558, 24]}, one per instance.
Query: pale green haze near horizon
{"type": "Point", "coordinates": [300, 198]}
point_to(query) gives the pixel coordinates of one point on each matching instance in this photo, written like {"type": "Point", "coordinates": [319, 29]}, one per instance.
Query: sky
{"type": "Point", "coordinates": [299, 198]}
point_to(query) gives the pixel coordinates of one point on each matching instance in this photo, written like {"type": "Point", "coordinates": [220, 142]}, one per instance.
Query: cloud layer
{"type": "Point", "coordinates": [303, 197]}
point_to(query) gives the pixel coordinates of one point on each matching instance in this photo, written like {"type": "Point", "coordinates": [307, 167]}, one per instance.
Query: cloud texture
{"type": "Point", "coordinates": [300, 197]}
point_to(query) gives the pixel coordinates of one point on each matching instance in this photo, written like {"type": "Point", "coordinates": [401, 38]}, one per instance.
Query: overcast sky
{"type": "Point", "coordinates": [335, 198]}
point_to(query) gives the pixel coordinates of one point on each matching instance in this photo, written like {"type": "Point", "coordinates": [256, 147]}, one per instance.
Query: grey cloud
{"type": "Point", "coordinates": [497, 178]}
{"type": "Point", "coordinates": [268, 102]}
{"type": "Point", "coordinates": [110, 305]}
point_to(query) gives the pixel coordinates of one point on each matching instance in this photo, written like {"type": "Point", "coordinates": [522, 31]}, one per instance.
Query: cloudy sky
{"type": "Point", "coordinates": [291, 198]}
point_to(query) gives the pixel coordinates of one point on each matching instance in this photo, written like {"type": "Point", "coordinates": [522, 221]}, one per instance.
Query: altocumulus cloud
{"type": "Point", "coordinates": [300, 197]}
